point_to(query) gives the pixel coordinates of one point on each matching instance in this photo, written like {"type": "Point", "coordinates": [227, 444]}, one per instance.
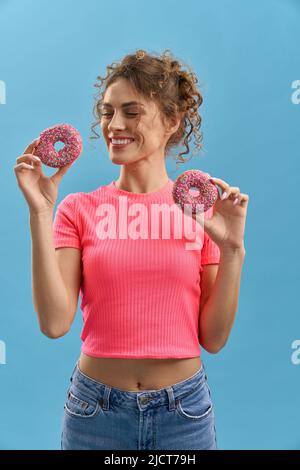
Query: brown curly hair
{"type": "Point", "coordinates": [162, 79]}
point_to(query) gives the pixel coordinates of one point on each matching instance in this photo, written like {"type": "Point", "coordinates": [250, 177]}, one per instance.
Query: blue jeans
{"type": "Point", "coordinates": [100, 417]}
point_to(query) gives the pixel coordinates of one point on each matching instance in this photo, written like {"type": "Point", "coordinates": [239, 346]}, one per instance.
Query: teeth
{"type": "Point", "coordinates": [125, 141]}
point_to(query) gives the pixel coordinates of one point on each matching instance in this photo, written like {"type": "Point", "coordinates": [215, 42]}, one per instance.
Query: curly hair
{"type": "Point", "coordinates": [162, 79]}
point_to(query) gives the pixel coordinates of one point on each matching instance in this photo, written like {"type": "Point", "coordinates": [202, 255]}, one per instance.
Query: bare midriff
{"type": "Point", "coordinates": [135, 375]}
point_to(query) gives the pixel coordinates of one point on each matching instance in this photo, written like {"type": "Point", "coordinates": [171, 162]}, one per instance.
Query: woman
{"type": "Point", "coordinates": [139, 382]}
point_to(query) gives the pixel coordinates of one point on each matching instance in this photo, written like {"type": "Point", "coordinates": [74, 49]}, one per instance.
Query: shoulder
{"type": "Point", "coordinates": [84, 196]}
{"type": "Point", "coordinates": [90, 197]}
{"type": "Point", "coordinates": [84, 203]}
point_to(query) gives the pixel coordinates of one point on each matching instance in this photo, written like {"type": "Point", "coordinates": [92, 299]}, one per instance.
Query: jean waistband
{"type": "Point", "coordinates": [99, 390]}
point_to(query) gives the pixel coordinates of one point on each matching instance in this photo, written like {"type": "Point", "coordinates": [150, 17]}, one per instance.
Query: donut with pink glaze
{"type": "Point", "coordinates": [208, 192]}
{"type": "Point", "coordinates": [65, 133]}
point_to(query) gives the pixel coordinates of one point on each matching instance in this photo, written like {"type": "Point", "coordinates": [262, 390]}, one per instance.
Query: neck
{"type": "Point", "coordinates": [142, 180]}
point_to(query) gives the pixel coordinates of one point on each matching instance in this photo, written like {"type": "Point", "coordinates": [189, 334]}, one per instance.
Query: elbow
{"type": "Point", "coordinates": [54, 334]}
{"type": "Point", "coordinates": [213, 348]}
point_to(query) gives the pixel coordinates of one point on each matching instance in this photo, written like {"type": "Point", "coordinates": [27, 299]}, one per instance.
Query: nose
{"type": "Point", "coordinates": [116, 122]}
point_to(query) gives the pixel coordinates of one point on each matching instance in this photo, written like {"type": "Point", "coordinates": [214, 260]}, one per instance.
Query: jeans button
{"type": "Point", "coordinates": [144, 400]}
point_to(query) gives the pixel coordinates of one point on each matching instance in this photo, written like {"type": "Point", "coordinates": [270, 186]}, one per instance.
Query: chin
{"type": "Point", "coordinates": [117, 161]}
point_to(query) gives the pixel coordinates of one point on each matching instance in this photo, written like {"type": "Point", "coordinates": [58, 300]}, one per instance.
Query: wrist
{"type": "Point", "coordinates": [45, 213]}
{"type": "Point", "coordinates": [233, 251]}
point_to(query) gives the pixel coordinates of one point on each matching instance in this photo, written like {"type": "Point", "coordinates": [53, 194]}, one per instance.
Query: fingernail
{"type": "Point", "coordinates": [37, 158]}
{"type": "Point", "coordinates": [224, 195]}
{"type": "Point", "coordinates": [236, 200]}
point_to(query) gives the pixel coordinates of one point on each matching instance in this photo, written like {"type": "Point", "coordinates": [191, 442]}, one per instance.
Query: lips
{"type": "Point", "coordinates": [119, 146]}
{"type": "Point", "coordinates": [121, 138]}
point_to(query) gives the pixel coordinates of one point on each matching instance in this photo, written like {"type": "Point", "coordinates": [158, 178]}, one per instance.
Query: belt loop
{"type": "Point", "coordinates": [106, 395]}
{"type": "Point", "coordinates": [205, 374]}
{"type": "Point", "coordinates": [71, 378]}
{"type": "Point", "coordinates": [171, 397]}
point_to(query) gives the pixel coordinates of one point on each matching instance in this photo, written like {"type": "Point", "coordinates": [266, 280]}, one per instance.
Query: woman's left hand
{"type": "Point", "coordinates": [227, 225]}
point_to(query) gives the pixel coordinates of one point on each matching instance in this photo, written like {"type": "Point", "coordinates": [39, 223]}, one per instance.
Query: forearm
{"type": "Point", "coordinates": [217, 315]}
{"type": "Point", "coordinates": [49, 293]}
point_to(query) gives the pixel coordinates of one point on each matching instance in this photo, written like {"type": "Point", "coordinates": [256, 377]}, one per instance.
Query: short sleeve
{"type": "Point", "coordinates": [210, 252]}
{"type": "Point", "coordinates": [65, 230]}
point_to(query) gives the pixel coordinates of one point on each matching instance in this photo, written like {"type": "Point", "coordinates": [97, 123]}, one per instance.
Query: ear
{"type": "Point", "coordinates": [172, 125]}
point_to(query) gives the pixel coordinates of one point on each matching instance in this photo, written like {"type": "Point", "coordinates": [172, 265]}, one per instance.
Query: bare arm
{"type": "Point", "coordinates": [55, 273]}
{"type": "Point", "coordinates": [55, 278]}
{"type": "Point", "coordinates": [218, 311]}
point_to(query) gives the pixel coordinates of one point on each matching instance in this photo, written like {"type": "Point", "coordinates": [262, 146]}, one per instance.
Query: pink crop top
{"type": "Point", "coordinates": [140, 289]}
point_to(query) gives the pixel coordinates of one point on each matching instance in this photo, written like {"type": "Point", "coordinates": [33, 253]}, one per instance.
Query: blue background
{"type": "Point", "coordinates": [246, 57]}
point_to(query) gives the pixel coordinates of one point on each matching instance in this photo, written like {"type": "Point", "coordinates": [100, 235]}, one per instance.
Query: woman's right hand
{"type": "Point", "coordinates": [39, 190]}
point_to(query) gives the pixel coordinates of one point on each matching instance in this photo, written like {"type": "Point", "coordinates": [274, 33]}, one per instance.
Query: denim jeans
{"type": "Point", "coordinates": [100, 417]}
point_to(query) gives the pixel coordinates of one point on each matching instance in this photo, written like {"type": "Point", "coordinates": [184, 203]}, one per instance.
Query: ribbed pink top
{"type": "Point", "coordinates": [140, 290]}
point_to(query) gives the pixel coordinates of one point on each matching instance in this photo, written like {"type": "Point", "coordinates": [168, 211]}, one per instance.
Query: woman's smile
{"type": "Point", "coordinates": [120, 145]}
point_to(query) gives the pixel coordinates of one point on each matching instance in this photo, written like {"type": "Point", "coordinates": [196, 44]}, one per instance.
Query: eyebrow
{"type": "Point", "coordinates": [124, 105]}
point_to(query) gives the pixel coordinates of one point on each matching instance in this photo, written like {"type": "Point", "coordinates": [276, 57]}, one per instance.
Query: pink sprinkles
{"type": "Point", "coordinates": [208, 192]}
{"type": "Point", "coordinates": [71, 150]}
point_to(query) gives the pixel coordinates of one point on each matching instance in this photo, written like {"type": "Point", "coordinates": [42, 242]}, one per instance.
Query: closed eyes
{"type": "Point", "coordinates": [128, 114]}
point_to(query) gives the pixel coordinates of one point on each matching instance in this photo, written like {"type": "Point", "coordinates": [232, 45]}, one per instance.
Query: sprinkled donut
{"type": "Point", "coordinates": [61, 132]}
{"type": "Point", "coordinates": [208, 192]}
